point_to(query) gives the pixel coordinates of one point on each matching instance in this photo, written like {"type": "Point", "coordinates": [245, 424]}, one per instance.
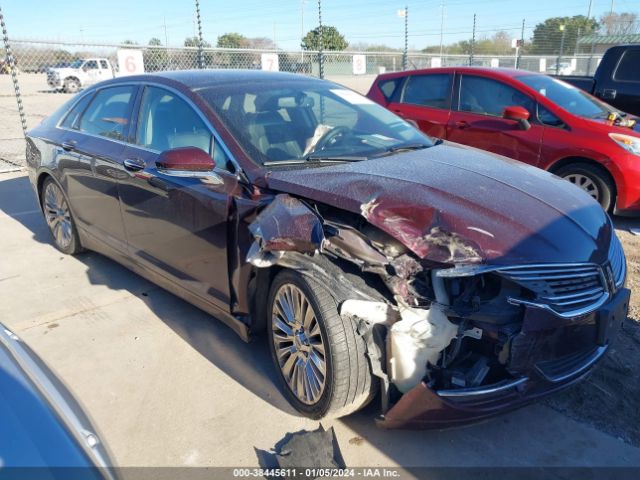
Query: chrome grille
{"type": "Point", "coordinates": [618, 261]}
{"type": "Point", "coordinates": [563, 288]}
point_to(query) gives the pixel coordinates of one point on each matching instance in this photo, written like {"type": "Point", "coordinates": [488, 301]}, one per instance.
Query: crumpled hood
{"type": "Point", "coordinates": [456, 205]}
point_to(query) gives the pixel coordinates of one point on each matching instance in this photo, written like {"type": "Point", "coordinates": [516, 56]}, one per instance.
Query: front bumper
{"type": "Point", "coordinates": [536, 372]}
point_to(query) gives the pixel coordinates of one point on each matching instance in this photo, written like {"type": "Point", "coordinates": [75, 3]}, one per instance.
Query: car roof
{"type": "Point", "coordinates": [504, 72]}
{"type": "Point", "coordinates": [199, 79]}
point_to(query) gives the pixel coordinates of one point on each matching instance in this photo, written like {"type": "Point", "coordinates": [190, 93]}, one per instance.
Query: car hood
{"type": "Point", "coordinates": [455, 205]}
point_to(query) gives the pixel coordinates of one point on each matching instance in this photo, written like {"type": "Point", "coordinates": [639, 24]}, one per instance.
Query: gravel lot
{"type": "Point", "coordinates": [167, 386]}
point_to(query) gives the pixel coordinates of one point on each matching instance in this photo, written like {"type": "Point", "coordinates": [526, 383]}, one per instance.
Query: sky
{"type": "Point", "coordinates": [360, 21]}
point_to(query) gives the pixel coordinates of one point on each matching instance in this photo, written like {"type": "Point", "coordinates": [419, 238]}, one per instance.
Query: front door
{"type": "Point", "coordinates": [477, 121]}
{"type": "Point", "coordinates": [177, 226]}
{"type": "Point", "coordinates": [426, 99]}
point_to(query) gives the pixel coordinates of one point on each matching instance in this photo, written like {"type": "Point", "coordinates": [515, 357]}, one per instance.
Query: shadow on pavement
{"type": "Point", "coordinates": [248, 364]}
{"type": "Point", "coordinates": [533, 435]}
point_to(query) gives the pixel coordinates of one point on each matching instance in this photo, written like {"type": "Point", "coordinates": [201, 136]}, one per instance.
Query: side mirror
{"type": "Point", "coordinates": [185, 162]}
{"type": "Point", "coordinates": [518, 114]}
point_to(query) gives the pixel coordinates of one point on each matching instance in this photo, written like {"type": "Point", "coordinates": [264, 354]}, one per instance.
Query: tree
{"type": "Point", "coordinates": [547, 35]}
{"type": "Point", "coordinates": [155, 59]}
{"type": "Point", "coordinates": [261, 43]}
{"type": "Point", "coordinates": [232, 40]}
{"type": "Point", "coordinates": [620, 23]}
{"type": "Point", "coordinates": [193, 42]}
{"type": "Point", "coordinates": [332, 39]}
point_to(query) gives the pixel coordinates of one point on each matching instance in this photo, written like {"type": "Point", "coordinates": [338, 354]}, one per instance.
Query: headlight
{"type": "Point", "coordinates": [629, 143]}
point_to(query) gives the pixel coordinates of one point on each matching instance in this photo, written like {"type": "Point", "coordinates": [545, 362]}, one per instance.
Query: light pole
{"type": "Point", "coordinates": [405, 55]}
{"type": "Point", "coordinates": [302, 2]}
{"type": "Point", "coordinates": [321, 43]}
{"type": "Point", "coordinates": [563, 30]}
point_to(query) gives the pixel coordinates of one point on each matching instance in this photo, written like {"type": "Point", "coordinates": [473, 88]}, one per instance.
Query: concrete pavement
{"type": "Point", "coordinates": [168, 385]}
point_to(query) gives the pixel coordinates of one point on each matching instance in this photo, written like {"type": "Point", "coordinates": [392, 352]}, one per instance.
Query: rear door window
{"type": "Point", "coordinates": [104, 65]}
{"type": "Point", "coordinates": [389, 87]}
{"type": "Point", "coordinates": [489, 97]}
{"type": "Point", "coordinates": [433, 91]}
{"type": "Point", "coordinates": [71, 120]}
{"type": "Point", "coordinates": [108, 114]}
{"type": "Point", "coordinates": [628, 69]}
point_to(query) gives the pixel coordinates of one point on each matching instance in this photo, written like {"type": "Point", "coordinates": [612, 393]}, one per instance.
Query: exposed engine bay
{"type": "Point", "coordinates": [444, 321]}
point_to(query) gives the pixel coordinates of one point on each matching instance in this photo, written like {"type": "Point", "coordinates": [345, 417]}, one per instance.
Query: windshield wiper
{"type": "Point", "coordinates": [311, 159]}
{"type": "Point", "coordinates": [315, 157]}
{"type": "Point", "coordinates": [407, 147]}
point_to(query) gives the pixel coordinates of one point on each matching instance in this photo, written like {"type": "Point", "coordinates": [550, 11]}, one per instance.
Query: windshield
{"type": "Point", "coordinates": [298, 121]}
{"type": "Point", "coordinates": [76, 63]}
{"type": "Point", "coordinates": [566, 96]}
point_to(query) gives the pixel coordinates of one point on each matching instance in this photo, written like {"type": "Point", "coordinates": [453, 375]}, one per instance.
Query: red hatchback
{"type": "Point", "coordinates": [526, 116]}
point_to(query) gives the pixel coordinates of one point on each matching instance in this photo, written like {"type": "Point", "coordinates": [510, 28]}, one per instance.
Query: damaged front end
{"type": "Point", "coordinates": [451, 337]}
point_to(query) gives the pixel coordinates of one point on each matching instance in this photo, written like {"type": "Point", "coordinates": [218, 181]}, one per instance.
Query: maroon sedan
{"type": "Point", "coordinates": [451, 283]}
{"type": "Point", "coordinates": [529, 117]}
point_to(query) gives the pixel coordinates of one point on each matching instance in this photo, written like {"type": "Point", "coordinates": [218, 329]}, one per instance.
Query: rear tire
{"type": "Point", "coordinates": [57, 214]}
{"type": "Point", "coordinates": [593, 180]}
{"type": "Point", "coordinates": [298, 338]}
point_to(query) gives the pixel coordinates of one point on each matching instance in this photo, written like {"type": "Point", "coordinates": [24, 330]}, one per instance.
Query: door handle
{"type": "Point", "coordinates": [608, 94]}
{"type": "Point", "coordinates": [69, 145]}
{"type": "Point", "coordinates": [462, 124]}
{"type": "Point", "coordinates": [134, 164]}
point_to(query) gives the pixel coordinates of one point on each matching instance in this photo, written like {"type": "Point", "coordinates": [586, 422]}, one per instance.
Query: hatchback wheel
{"type": "Point", "coordinates": [319, 355]}
{"type": "Point", "coordinates": [59, 219]}
{"type": "Point", "coordinates": [592, 180]}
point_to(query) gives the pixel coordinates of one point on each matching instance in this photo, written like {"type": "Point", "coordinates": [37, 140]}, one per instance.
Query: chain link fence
{"type": "Point", "coordinates": [43, 69]}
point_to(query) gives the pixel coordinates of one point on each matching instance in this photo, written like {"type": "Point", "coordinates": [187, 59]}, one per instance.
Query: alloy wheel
{"type": "Point", "coordinates": [585, 183]}
{"type": "Point", "coordinates": [57, 215]}
{"type": "Point", "coordinates": [298, 344]}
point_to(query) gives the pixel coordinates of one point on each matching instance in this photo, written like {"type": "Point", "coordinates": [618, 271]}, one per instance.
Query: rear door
{"type": "Point", "coordinates": [425, 99]}
{"type": "Point", "coordinates": [176, 226]}
{"type": "Point", "coordinates": [91, 161]}
{"type": "Point", "coordinates": [623, 91]}
{"type": "Point", "coordinates": [476, 119]}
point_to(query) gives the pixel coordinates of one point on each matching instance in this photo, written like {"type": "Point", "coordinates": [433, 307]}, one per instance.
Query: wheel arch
{"type": "Point", "coordinates": [563, 162]}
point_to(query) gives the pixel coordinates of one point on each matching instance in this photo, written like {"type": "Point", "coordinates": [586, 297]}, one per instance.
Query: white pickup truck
{"type": "Point", "coordinates": [80, 74]}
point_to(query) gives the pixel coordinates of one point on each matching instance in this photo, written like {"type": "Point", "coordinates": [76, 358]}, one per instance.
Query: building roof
{"type": "Point", "coordinates": [608, 39]}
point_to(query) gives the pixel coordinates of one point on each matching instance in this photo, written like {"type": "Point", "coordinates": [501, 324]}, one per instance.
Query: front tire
{"type": "Point", "coordinates": [320, 358]}
{"type": "Point", "coordinates": [593, 180]}
{"type": "Point", "coordinates": [71, 85]}
{"type": "Point", "coordinates": [59, 219]}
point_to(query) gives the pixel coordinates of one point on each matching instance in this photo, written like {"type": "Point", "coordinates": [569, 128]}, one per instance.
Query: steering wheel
{"type": "Point", "coordinates": [332, 134]}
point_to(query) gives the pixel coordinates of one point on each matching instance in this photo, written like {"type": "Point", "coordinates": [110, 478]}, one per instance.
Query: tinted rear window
{"type": "Point", "coordinates": [428, 90]}
{"type": "Point", "coordinates": [629, 67]}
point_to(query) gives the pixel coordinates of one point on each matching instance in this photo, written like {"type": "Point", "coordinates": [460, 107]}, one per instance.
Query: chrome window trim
{"type": "Point", "coordinates": [212, 130]}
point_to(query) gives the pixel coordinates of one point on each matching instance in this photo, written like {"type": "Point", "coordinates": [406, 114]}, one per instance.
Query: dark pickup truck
{"type": "Point", "coordinates": [617, 79]}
